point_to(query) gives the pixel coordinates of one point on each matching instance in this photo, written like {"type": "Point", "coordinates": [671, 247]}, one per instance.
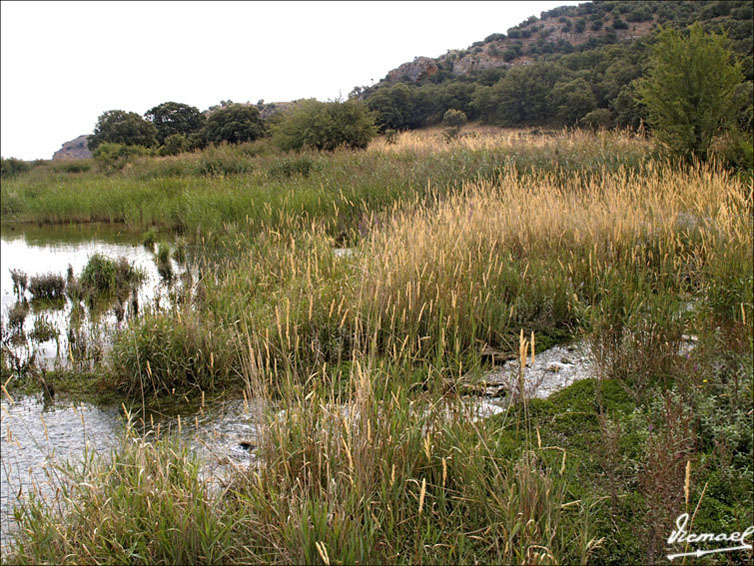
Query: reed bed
{"type": "Point", "coordinates": [438, 281]}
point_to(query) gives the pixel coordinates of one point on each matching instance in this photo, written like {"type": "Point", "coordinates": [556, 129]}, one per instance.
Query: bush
{"type": "Point", "coordinates": [75, 167]}
{"type": "Point", "coordinates": [17, 315]}
{"type": "Point", "coordinates": [640, 14]}
{"type": "Point", "coordinates": [12, 167]}
{"type": "Point", "coordinates": [454, 119]}
{"type": "Point", "coordinates": [115, 156]}
{"type": "Point", "coordinates": [235, 123]}
{"type": "Point", "coordinates": [175, 144]}
{"type": "Point", "coordinates": [104, 275]}
{"type": "Point", "coordinates": [20, 282]}
{"type": "Point", "coordinates": [44, 330]}
{"type": "Point", "coordinates": [599, 118]}
{"type": "Point", "coordinates": [326, 126]}
{"type": "Point", "coordinates": [737, 151]}
{"type": "Point", "coordinates": [120, 127]}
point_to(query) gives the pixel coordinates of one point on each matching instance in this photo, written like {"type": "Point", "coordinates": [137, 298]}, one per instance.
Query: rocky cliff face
{"type": "Point", "coordinates": [74, 149]}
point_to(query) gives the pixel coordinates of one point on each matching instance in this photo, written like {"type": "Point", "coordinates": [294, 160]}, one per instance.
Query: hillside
{"type": "Point", "coordinates": [579, 28]}
{"type": "Point", "coordinates": [605, 44]}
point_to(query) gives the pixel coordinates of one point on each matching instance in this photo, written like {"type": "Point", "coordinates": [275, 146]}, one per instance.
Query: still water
{"type": "Point", "coordinates": [52, 250]}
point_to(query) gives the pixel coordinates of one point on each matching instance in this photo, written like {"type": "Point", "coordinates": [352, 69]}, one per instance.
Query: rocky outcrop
{"type": "Point", "coordinates": [74, 149]}
{"type": "Point", "coordinates": [272, 108]}
{"type": "Point", "coordinates": [417, 69]}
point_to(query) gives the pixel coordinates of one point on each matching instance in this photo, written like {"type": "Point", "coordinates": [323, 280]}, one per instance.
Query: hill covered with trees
{"type": "Point", "coordinates": [574, 65]}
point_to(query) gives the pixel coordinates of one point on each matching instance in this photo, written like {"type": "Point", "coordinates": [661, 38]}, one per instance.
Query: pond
{"type": "Point", "coordinates": [43, 331]}
{"type": "Point", "coordinates": [35, 433]}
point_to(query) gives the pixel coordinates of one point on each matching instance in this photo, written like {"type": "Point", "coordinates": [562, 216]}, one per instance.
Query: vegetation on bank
{"type": "Point", "coordinates": [370, 454]}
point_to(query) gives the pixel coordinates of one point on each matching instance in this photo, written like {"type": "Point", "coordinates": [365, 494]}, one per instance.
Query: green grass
{"type": "Point", "coordinates": [254, 185]}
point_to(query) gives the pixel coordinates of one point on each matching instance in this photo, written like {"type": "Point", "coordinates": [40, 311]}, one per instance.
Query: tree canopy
{"type": "Point", "coordinates": [326, 126]}
{"type": "Point", "coordinates": [125, 128]}
{"type": "Point", "coordinates": [174, 118]}
{"type": "Point", "coordinates": [533, 75]}
{"type": "Point", "coordinates": [234, 123]}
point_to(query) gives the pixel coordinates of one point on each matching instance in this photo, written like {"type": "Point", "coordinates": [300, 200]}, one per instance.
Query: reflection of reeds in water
{"type": "Point", "coordinates": [20, 282]}
{"type": "Point", "coordinates": [164, 267]}
{"type": "Point", "coordinates": [104, 285]}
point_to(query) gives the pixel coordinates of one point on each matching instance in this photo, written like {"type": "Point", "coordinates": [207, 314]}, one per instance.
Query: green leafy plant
{"type": "Point", "coordinates": [689, 90]}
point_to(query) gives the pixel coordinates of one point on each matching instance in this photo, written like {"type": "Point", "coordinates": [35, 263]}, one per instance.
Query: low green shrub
{"type": "Point", "coordinates": [104, 275]}
{"type": "Point", "coordinates": [114, 156]}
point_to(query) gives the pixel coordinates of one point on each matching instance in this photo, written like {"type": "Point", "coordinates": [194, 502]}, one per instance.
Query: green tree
{"type": "Point", "coordinates": [396, 107]}
{"type": "Point", "coordinates": [124, 128]}
{"type": "Point", "coordinates": [572, 100]}
{"type": "Point", "coordinates": [234, 123]}
{"type": "Point", "coordinates": [689, 90]}
{"type": "Point", "coordinates": [521, 96]}
{"type": "Point", "coordinates": [174, 118]}
{"type": "Point", "coordinates": [326, 126]}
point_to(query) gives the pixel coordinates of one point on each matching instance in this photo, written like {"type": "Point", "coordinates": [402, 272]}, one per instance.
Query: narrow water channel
{"type": "Point", "coordinates": [34, 437]}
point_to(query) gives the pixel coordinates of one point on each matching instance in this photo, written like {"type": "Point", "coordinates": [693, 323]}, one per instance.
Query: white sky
{"type": "Point", "coordinates": [65, 63]}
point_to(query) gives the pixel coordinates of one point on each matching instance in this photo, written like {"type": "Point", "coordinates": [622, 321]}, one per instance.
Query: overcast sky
{"type": "Point", "coordinates": [65, 63]}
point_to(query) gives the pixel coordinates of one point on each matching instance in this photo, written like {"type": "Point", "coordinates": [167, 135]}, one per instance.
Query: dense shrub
{"type": "Point", "coordinates": [125, 128]}
{"type": "Point", "coordinates": [11, 167]}
{"type": "Point", "coordinates": [234, 123]}
{"type": "Point", "coordinates": [47, 286]}
{"type": "Point", "coordinates": [326, 126]}
{"type": "Point", "coordinates": [175, 144]}
{"type": "Point", "coordinates": [115, 156]}
{"type": "Point", "coordinates": [104, 275]}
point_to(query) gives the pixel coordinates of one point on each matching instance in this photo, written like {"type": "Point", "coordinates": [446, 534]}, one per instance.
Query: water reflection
{"type": "Point", "coordinates": [36, 261]}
